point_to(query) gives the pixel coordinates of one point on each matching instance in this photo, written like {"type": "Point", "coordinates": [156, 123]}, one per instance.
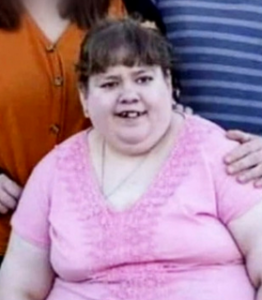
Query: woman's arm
{"type": "Point", "coordinates": [247, 231]}
{"type": "Point", "coordinates": [26, 273]}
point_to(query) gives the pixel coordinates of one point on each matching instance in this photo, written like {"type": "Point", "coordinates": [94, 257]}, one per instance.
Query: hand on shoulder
{"type": "Point", "coordinates": [245, 161]}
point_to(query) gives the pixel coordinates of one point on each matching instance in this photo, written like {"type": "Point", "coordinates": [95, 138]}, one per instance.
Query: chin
{"type": "Point", "coordinates": [134, 145]}
{"type": "Point", "coordinates": [135, 150]}
{"type": "Point", "coordinates": [133, 139]}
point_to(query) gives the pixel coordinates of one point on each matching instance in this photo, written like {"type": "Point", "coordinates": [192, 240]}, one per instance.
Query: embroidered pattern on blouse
{"type": "Point", "coordinates": [135, 226]}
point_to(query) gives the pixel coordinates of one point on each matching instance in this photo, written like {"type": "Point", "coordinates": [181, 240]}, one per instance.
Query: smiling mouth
{"type": "Point", "coordinates": [131, 114]}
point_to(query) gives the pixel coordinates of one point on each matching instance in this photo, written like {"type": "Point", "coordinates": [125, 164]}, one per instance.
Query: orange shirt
{"type": "Point", "coordinates": [39, 103]}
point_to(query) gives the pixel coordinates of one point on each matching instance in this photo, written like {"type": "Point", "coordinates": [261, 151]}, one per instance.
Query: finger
{"type": "Point", "coordinates": [239, 136]}
{"type": "Point", "coordinates": [243, 164]}
{"type": "Point", "coordinates": [7, 201]}
{"type": "Point", "coordinates": [180, 108]}
{"type": "Point", "coordinates": [13, 189]}
{"type": "Point", "coordinates": [3, 209]}
{"type": "Point", "coordinates": [189, 110]}
{"type": "Point", "coordinates": [243, 150]}
{"type": "Point", "coordinates": [258, 183]}
{"type": "Point", "coordinates": [250, 175]}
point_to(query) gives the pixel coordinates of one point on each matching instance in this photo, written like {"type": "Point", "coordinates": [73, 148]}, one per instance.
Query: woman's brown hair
{"type": "Point", "coordinates": [82, 12]}
{"type": "Point", "coordinates": [127, 42]}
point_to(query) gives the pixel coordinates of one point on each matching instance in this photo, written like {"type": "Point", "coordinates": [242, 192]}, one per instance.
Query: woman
{"type": "Point", "coordinates": [140, 206]}
{"type": "Point", "coordinates": [39, 103]}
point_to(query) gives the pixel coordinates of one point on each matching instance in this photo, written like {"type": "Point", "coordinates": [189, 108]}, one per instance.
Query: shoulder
{"type": "Point", "coordinates": [13, 40]}
{"type": "Point", "coordinates": [62, 154]}
{"type": "Point", "coordinates": [8, 41]}
{"type": "Point", "coordinates": [212, 136]}
{"type": "Point", "coordinates": [210, 139]}
{"type": "Point", "coordinates": [72, 144]}
{"type": "Point", "coordinates": [10, 35]}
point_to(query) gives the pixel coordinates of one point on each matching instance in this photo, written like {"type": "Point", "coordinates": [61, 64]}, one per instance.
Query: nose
{"type": "Point", "coordinates": [129, 97]}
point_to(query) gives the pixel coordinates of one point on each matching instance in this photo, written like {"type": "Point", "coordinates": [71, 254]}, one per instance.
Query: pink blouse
{"type": "Point", "coordinates": [173, 244]}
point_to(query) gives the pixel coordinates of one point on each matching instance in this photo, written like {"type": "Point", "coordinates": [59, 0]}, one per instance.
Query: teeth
{"type": "Point", "coordinates": [131, 114]}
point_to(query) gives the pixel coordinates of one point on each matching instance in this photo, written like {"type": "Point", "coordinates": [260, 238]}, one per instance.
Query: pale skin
{"type": "Point", "coordinates": [123, 89]}
{"type": "Point", "coordinates": [245, 161]}
{"type": "Point", "coordinates": [18, 278]}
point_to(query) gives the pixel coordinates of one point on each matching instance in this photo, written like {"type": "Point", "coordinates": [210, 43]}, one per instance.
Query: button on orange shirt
{"type": "Point", "coordinates": [39, 103]}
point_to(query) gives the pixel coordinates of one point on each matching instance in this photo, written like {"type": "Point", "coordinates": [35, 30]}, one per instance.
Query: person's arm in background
{"type": "Point", "coordinates": [26, 273]}
{"type": "Point", "coordinates": [247, 232]}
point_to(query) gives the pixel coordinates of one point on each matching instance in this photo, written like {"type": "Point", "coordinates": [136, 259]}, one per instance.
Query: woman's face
{"type": "Point", "coordinates": [130, 106]}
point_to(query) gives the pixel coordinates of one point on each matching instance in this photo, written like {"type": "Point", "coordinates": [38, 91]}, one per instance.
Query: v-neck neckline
{"type": "Point", "coordinates": [42, 36]}
{"type": "Point", "coordinates": [104, 204]}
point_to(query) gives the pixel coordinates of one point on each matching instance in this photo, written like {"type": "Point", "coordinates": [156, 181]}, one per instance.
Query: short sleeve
{"type": "Point", "coordinates": [31, 219]}
{"type": "Point", "coordinates": [233, 198]}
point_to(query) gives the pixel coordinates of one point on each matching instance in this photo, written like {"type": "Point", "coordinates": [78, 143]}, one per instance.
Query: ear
{"type": "Point", "coordinates": [84, 101]}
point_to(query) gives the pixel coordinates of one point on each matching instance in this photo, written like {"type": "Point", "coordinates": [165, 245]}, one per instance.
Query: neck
{"type": "Point", "coordinates": [46, 15]}
{"type": "Point", "coordinates": [42, 8]}
{"type": "Point", "coordinates": [40, 3]}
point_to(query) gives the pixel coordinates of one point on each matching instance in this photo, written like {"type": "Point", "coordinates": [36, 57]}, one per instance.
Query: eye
{"type": "Point", "coordinates": [109, 85]}
{"type": "Point", "coordinates": [144, 79]}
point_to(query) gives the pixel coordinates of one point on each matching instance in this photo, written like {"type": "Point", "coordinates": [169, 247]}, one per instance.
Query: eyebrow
{"type": "Point", "coordinates": [116, 77]}
{"type": "Point", "coordinates": [140, 72]}
{"type": "Point", "coordinates": [107, 77]}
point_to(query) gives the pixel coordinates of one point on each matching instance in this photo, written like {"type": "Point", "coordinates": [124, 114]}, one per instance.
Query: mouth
{"type": "Point", "coordinates": [131, 114]}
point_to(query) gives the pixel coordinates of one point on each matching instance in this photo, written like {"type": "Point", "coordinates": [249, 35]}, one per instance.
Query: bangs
{"type": "Point", "coordinates": [128, 47]}
{"type": "Point", "coordinates": [125, 43]}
